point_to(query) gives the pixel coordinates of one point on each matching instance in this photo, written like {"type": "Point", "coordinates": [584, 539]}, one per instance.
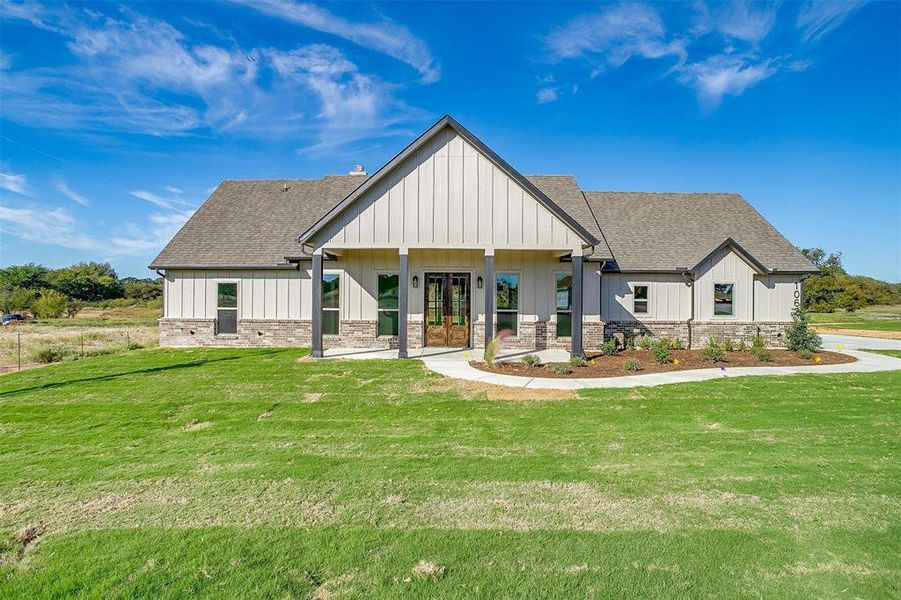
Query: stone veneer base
{"type": "Point", "coordinates": [773, 332]}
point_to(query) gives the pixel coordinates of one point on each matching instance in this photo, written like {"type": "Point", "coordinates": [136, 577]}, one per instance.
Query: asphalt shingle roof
{"type": "Point", "coordinates": [255, 223]}
{"type": "Point", "coordinates": [665, 232]}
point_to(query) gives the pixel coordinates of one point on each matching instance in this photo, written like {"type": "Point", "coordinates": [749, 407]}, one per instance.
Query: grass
{"type": "Point", "coordinates": [887, 352]}
{"type": "Point", "coordinates": [870, 318]}
{"type": "Point", "coordinates": [235, 473]}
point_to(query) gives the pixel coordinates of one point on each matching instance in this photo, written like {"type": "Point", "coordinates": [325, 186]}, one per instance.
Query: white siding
{"type": "Point", "coordinates": [261, 294]}
{"type": "Point", "coordinates": [669, 298]}
{"type": "Point", "coordinates": [725, 267]}
{"type": "Point", "coordinates": [448, 194]}
{"type": "Point", "coordinates": [774, 297]}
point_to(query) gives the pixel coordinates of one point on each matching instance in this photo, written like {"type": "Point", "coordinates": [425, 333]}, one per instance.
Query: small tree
{"type": "Point", "coordinates": [16, 300]}
{"type": "Point", "coordinates": [50, 305]}
{"type": "Point", "coordinates": [798, 335]}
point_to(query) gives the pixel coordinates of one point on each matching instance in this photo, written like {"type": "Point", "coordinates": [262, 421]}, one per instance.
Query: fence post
{"type": "Point", "coordinates": [127, 341]}
{"type": "Point", "coordinates": [82, 342]}
{"type": "Point", "coordinates": [18, 350]}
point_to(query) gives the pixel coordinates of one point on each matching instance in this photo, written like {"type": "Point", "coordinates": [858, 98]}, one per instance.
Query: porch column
{"type": "Point", "coordinates": [317, 305]}
{"type": "Point", "coordinates": [403, 297]}
{"type": "Point", "coordinates": [490, 288]}
{"type": "Point", "coordinates": [577, 307]}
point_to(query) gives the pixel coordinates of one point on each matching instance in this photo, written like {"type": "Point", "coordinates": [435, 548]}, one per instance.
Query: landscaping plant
{"type": "Point", "coordinates": [632, 365]}
{"type": "Point", "coordinates": [798, 335]}
{"type": "Point", "coordinates": [577, 361]}
{"type": "Point", "coordinates": [645, 342]}
{"type": "Point", "coordinates": [728, 346]}
{"type": "Point", "coordinates": [713, 351]}
{"type": "Point", "coordinates": [491, 349]}
{"type": "Point", "coordinates": [531, 360]}
{"type": "Point", "coordinates": [609, 347]}
{"type": "Point", "coordinates": [662, 352]}
{"type": "Point", "coordinates": [562, 369]}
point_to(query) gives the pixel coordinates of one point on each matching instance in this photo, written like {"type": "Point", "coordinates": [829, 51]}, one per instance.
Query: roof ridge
{"type": "Point", "coordinates": [663, 193]}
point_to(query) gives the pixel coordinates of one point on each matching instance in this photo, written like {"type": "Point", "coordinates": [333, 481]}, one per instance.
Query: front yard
{"type": "Point", "coordinates": [261, 473]}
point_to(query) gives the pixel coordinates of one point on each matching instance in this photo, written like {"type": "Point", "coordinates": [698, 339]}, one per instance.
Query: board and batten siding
{"type": "Point", "coordinates": [775, 297]}
{"type": "Point", "coordinates": [669, 299]}
{"type": "Point", "coordinates": [724, 266]}
{"type": "Point", "coordinates": [262, 294]}
{"type": "Point", "coordinates": [447, 194]}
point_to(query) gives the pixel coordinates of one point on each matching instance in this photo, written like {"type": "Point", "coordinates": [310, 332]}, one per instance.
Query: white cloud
{"type": "Point", "coordinates": [740, 20]}
{"type": "Point", "coordinates": [616, 34]}
{"type": "Point", "coordinates": [69, 193]}
{"type": "Point", "coordinates": [724, 75]}
{"type": "Point", "coordinates": [167, 203]}
{"type": "Point", "coordinates": [383, 36]}
{"type": "Point", "coordinates": [143, 75]}
{"type": "Point", "coordinates": [818, 19]}
{"type": "Point", "coordinates": [14, 182]}
{"type": "Point", "coordinates": [172, 190]}
{"type": "Point", "coordinates": [546, 95]}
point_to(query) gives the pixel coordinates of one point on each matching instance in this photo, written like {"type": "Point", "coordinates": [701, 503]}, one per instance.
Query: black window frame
{"type": "Point", "coordinates": [336, 309]}
{"type": "Point", "coordinates": [226, 325]}
{"type": "Point", "coordinates": [646, 301]}
{"type": "Point", "coordinates": [731, 313]}
{"type": "Point", "coordinates": [387, 309]}
{"type": "Point", "coordinates": [561, 325]}
{"type": "Point", "coordinates": [507, 310]}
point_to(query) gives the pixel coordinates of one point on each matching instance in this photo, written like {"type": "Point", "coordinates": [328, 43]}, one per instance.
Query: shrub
{"type": "Point", "coordinates": [88, 281]}
{"type": "Point", "coordinates": [741, 346]}
{"type": "Point", "coordinates": [662, 351]}
{"type": "Point", "coordinates": [132, 345]}
{"type": "Point", "coordinates": [609, 347]}
{"type": "Point", "coordinates": [757, 344]}
{"type": "Point", "coordinates": [562, 369]}
{"type": "Point", "coordinates": [677, 344]}
{"type": "Point", "coordinates": [630, 343]}
{"type": "Point", "coordinates": [577, 361]}
{"type": "Point", "coordinates": [52, 354]}
{"type": "Point", "coordinates": [16, 300]}
{"type": "Point", "coordinates": [798, 335]}
{"type": "Point", "coordinates": [632, 365]}
{"type": "Point", "coordinates": [728, 346]}
{"type": "Point", "coordinates": [531, 360]}
{"type": "Point", "coordinates": [491, 349]}
{"type": "Point", "coordinates": [713, 351]}
{"type": "Point", "coordinates": [806, 354]}
{"type": "Point", "coordinates": [50, 305]}
{"type": "Point", "coordinates": [762, 354]}
{"type": "Point", "coordinates": [72, 308]}
{"type": "Point", "coordinates": [645, 342]}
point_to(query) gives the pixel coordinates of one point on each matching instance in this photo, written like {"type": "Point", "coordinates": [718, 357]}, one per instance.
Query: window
{"type": "Point", "coordinates": [387, 321]}
{"type": "Point", "coordinates": [507, 301]}
{"type": "Point", "coordinates": [564, 304]}
{"type": "Point", "coordinates": [722, 299]}
{"type": "Point", "coordinates": [227, 308]}
{"type": "Point", "coordinates": [330, 299]}
{"type": "Point", "coordinates": [640, 300]}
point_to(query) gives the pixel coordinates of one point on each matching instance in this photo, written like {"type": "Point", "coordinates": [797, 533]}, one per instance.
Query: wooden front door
{"type": "Point", "coordinates": [447, 309]}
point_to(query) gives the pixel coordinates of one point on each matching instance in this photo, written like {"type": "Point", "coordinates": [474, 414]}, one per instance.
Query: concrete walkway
{"type": "Point", "coordinates": [455, 363]}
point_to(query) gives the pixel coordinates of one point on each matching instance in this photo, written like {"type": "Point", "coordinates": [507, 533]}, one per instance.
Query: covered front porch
{"type": "Point", "coordinates": [415, 300]}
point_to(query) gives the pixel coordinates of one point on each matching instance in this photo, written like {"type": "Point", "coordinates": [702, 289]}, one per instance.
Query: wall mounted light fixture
{"type": "Point", "coordinates": [416, 281]}
{"type": "Point", "coordinates": [479, 282]}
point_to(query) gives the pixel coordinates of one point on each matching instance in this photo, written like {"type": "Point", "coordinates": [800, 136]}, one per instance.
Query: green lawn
{"type": "Point", "coordinates": [259, 473]}
{"type": "Point", "coordinates": [895, 353]}
{"type": "Point", "coordinates": [870, 318]}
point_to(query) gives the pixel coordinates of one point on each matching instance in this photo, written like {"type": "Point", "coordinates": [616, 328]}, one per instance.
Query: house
{"type": "Point", "coordinates": [448, 245]}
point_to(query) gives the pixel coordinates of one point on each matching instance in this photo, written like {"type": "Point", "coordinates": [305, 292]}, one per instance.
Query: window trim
{"type": "Point", "coordinates": [337, 272]}
{"type": "Point", "coordinates": [713, 285]}
{"type": "Point", "coordinates": [634, 285]}
{"type": "Point", "coordinates": [518, 311]}
{"type": "Point", "coordinates": [236, 308]}
{"type": "Point", "coordinates": [554, 304]}
{"type": "Point", "coordinates": [378, 274]}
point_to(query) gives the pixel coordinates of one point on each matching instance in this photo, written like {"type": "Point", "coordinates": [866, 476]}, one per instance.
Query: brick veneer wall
{"type": "Point", "coordinates": [771, 331]}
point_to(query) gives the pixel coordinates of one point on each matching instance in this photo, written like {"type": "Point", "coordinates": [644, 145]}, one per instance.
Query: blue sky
{"type": "Point", "coordinates": [119, 119]}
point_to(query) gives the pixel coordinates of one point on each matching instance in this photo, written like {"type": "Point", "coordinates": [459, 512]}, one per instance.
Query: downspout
{"type": "Point", "coordinates": [601, 299]}
{"type": "Point", "coordinates": [690, 281]}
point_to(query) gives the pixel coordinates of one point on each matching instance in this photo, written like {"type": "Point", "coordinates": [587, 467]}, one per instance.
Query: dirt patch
{"type": "Point", "coordinates": [683, 360]}
{"type": "Point", "coordinates": [197, 425]}
{"type": "Point", "coordinates": [29, 534]}
{"type": "Point", "coordinates": [312, 396]}
{"type": "Point", "coordinates": [426, 569]}
{"type": "Point", "coordinates": [887, 335]}
{"type": "Point", "coordinates": [473, 389]}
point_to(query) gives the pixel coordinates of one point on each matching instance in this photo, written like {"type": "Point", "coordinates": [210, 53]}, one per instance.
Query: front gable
{"type": "Point", "coordinates": [448, 190]}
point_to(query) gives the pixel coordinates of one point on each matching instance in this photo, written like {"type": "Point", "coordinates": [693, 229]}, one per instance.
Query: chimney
{"type": "Point", "coordinates": [358, 170]}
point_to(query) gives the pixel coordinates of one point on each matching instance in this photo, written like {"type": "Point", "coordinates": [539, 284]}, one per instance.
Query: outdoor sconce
{"type": "Point", "coordinates": [479, 282]}
{"type": "Point", "coordinates": [416, 281]}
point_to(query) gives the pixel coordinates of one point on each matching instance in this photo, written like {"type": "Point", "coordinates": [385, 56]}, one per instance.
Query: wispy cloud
{"type": "Point", "coordinates": [614, 35]}
{"type": "Point", "coordinates": [726, 51]}
{"type": "Point", "coordinates": [818, 19]}
{"type": "Point", "coordinates": [547, 95]}
{"type": "Point", "coordinates": [64, 189]}
{"type": "Point", "coordinates": [14, 182]}
{"type": "Point", "coordinates": [383, 36]}
{"type": "Point", "coordinates": [169, 203]}
{"type": "Point", "coordinates": [723, 75]}
{"type": "Point", "coordinates": [140, 74]}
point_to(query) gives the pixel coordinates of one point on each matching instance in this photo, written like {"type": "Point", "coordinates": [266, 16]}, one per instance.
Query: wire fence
{"type": "Point", "coordinates": [27, 345]}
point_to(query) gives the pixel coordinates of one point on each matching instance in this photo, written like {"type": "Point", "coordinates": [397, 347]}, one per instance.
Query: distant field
{"type": "Point", "coordinates": [870, 319]}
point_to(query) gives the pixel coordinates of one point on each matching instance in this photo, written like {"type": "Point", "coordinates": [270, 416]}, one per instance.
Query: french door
{"type": "Point", "coordinates": [447, 309]}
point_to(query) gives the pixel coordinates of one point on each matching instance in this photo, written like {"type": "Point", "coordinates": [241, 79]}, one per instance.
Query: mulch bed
{"type": "Point", "coordinates": [683, 360]}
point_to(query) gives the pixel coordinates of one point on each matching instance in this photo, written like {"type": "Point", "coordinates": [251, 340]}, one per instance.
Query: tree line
{"type": "Point", "coordinates": [834, 289]}
{"type": "Point", "coordinates": [51, 293]}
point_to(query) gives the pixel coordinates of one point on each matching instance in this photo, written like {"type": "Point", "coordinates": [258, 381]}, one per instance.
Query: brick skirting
{"type": "Point", "coordinates": [771, 331]}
